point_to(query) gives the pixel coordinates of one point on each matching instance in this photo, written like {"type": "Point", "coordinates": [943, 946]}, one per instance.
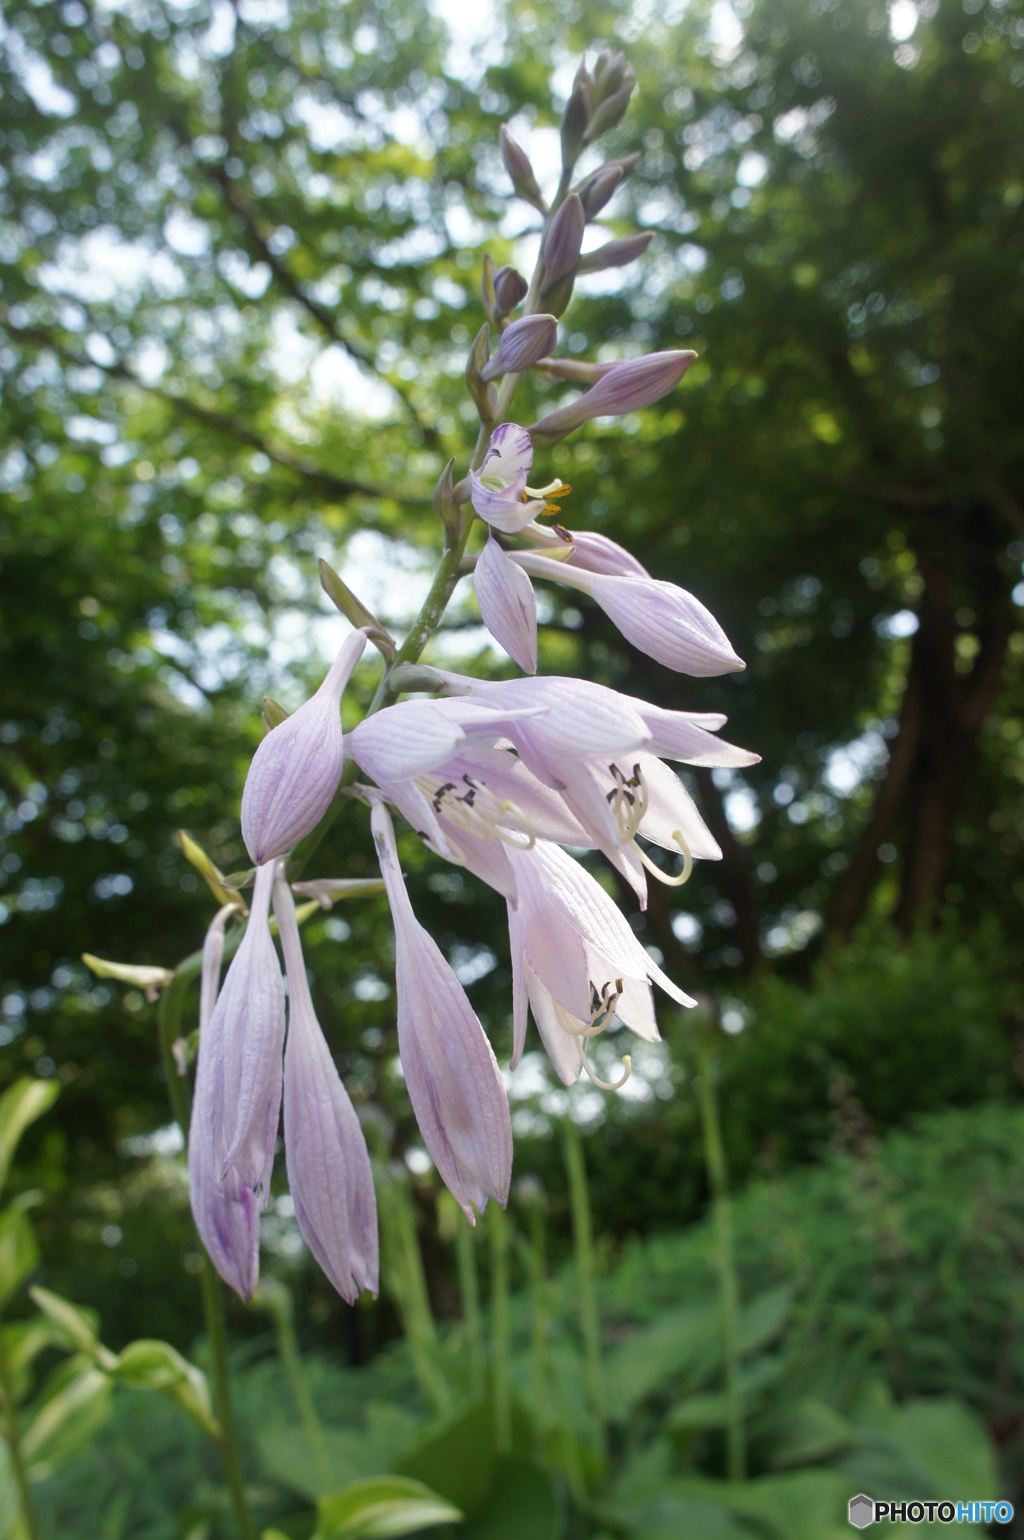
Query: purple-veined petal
{"type": "Point", "coordinates": [507, 604]}
{"type": "Point", "coordinates": [227, 1217]}
{"type": "Point", "coordinates": [238, 1078]}
{"type": "Point", "coordinates": [625, 388]}
{"type": "Point", "coordinates": [670, 808]}
{"type": "Point", "coordinates": [523, 343]}
{"type": "Point", "coordinates": [596, 553]}
{"type": "Point", "coordinates": [325, 1152]}
{"type": "Point", "coordinates": [555, 1025]}
{"type": "Point", "coordinates": [450, 1070]}
{"type": "Point", "coordinates": [666, 623]}
{"type": "Point", "coordinates": [296, 769]}
{"type": "Point", "coordinates": [563, 241]}
{"type": "Point", "coordinates": [404, 740]}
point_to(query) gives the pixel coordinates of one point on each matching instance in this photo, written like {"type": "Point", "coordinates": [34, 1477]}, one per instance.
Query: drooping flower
{"type": "Point", "coordinates": [576, 959]}
{"type": "Point", "coordinates": [603, 751]}
{"type": "Point", "coordinates": [450, 1070]}
{"type": "Point", "coordinates": [225, 1210]}
{"type": "Point", "coordinates": [238, 1077]}
{"type": "Point", "coordinates": [328, 1165]}
{"type": "Point", "coordinates": [296, 769]}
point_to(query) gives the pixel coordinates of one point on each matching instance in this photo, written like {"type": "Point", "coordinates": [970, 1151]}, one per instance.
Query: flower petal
{"type": "Point", "coordinates": [450, 1070]}
{"type": "Point", "coordinates": [666, 623]}
{"type": "Point", "coordinates": [507, 605]}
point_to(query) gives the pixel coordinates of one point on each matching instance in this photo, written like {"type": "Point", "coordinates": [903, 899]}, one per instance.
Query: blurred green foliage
{"type": "Point", "coordinates": [892, 1270]}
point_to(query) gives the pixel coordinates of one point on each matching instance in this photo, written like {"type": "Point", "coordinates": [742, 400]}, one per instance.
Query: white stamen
{"type": "Point", "coordinates": [605, 1085]}
{"type": "Point", "coordinates": [629, 800]}
{"type": "Point", "coordinates": [659, 872]}
{"type": "Point", "coordinates": [478, 812]}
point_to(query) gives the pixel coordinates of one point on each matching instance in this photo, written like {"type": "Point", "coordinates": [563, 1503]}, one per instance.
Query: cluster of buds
{"type": "Point", "coordinates": [496, 777]}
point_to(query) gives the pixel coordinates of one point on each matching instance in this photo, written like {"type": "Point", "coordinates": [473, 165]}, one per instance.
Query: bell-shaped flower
{"type": "Point", "coordinates": [576, 960]}
{"type": "Point", "coordinates": [238, 1077]}
{"type": "Point", "coordinates": [624, 388]}
{"type": "Point", "coordinates": [450, 1070]}
{"type": "Point", "coordinates": [498, 489]}
{"type": "Point", "coordinates": [225, 1210]}
{"type": "Point", "coordinates": [328, 1164]}
{"type": "Point", "coordinates": [296, 769]}
{"type": "Point", "coordinates": [602, 752]}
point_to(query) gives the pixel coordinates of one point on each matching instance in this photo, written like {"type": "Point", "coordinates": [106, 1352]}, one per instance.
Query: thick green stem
{"type": "Point", "coordinates": [586, 1273]}
{"type": "Point", "coordinates": [714, 1155]}
{"type": "Point", "coordinates": [497, 1225]}
{"type": "Point", "coordinates": [278, 1302]}
{"type": "Point", "coordinates": [169, 1021]}
{"type": "Point", "coordinates": [12, 1435]}
{"type": "Point", "coordinates": [469, 1288]}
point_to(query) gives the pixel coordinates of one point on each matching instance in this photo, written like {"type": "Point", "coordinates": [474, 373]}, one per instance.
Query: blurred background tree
{"type": "Point", "coordinates": [239, 253]}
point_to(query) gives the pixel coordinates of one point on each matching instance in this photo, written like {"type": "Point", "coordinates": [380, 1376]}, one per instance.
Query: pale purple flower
{"type": "Point", "coordinates": [450, 1070]}
{"type": "Point", "coordinates": [507, 604]}
{"type": "Point", "coordinates": [576, 959]}
{"type": "Point", "coordinates": [602, 752]}
{"type": "Point", "coordinates": [625, 388]}
{"type": "Point", "coordinates": [296, 769]}
{"type": "Point", "coordinates": [328, 1164]}
{"type": "Point", "coordinates": [465, 801]}
{"type": "Point", "coordinates": [225, 1211]}
{"type": "Point", "coordinates": [522, 343]}
{"type": "Point", "coordinates": [498, 488]}
{"type": "Point", "coordinates": [661, 619]}
{"type": "Point", "coordinates": [238, 1077]}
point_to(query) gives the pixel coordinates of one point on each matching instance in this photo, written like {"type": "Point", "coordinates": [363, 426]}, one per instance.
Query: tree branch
{"type": "Point", "coordinates": [300, 465]}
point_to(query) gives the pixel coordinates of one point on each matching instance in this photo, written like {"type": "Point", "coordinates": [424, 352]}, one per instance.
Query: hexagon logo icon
{"type": "Point", "coordinates": [862, 1511]}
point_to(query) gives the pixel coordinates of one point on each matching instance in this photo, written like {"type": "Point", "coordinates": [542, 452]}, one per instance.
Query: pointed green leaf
{"type": "Point", "coordinates": [77, 1327]}
{"type": "Point", "coordinates": [381, 1507]}
{"type": "Point", "coordinates": [66, 1419]}
{"type": "Point", "coordinates": [20, 1105]}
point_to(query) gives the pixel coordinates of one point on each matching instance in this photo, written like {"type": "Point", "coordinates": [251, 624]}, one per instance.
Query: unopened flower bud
{"type": "Point", "coordinates": [598, 189]}
{"type": "Point", "coordinates": [610, 72]}
{"type": "Point", "coordinates": [564, 239]}
{"type": "Point", "coordinates": [296, 769]}
{"type": "Point", "coordinates": [625, 388]}
{"type": "Point", "coordinates": [523, 343]}
{"type": "Point", "coordinates": [487, 272]}
{"type": "Point", "coordinates": [273, 714]}
{"type": "Point", "coordinates": [520, 171]}
{"type": "Point", "coordinates": [355, 611]}
{"type": "Point", "coordinates": [615, 253]}
{"type": "Point", "coordinates": [510, 289]}
{"type": "Point", "coordinates": [445, 506]}
{"type": "Point", "coordinates": [484, 398]}
{"type": "Point", "coordinates": [611, 111]}
{"type": "Point", "coordinates": [576, 117]}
